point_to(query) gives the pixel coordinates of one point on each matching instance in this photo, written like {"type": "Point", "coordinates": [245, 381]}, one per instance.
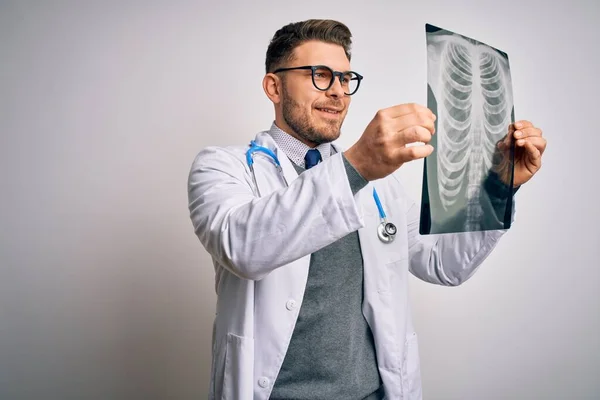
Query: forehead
{"type": "Point", "coordinates": [321, 53]}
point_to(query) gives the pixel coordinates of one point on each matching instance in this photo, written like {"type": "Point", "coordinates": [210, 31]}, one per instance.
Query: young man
{"type": "Point", "coordinates": [312, 303]}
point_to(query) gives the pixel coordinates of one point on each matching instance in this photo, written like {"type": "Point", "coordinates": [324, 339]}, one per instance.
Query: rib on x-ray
{"type": "Point", "coordinates": [470, 91]}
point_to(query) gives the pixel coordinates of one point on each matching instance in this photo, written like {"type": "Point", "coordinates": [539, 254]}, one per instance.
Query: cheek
{"type": "Point", "coordinates": [299, 101]}
{"type": "Point", "coordinates": [302, 108]}
{"type": "Point", "coordinates": [301, 95]}
{"type": "Point", "coordinates": [307, 105]}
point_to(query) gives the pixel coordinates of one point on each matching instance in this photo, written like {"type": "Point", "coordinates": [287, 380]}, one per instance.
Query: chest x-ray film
{"type": "Point", "coordinates": [468, 179]}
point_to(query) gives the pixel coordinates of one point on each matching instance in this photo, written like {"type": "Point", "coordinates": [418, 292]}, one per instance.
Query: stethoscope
{"type": "Point", "coordinates": [255, 148]}
{"type": "Point", "coordinates": [386, 231]}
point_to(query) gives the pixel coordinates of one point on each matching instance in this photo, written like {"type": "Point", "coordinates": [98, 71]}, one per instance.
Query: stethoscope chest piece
{"type": "Point", "coordinates": [386, 231]}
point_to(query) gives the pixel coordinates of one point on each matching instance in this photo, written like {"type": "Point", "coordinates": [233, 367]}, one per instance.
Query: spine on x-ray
{"type": "Point", "coordinates": [473, 114]}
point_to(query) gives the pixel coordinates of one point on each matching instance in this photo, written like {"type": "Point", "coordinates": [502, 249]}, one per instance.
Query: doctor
{"type": "Point", "coordinates": [312, 244]}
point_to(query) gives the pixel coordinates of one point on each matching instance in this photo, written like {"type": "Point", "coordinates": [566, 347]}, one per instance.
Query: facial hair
{"type": "Point", "coordinates": [299, 121]}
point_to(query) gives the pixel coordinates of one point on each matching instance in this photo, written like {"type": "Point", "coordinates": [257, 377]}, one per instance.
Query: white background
{"type": "Point", "coordinates": [105, 292]}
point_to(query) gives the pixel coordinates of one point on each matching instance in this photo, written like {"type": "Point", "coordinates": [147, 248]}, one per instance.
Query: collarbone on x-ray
{"type": "Point", "coordinates": [471, 82]}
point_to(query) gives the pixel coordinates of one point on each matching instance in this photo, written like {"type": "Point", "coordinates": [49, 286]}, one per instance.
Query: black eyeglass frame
{"type": "Point", "coordinates": [339, 74]}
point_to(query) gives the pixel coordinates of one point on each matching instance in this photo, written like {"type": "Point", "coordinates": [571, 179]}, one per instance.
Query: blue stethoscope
{"type": "Point", "coordinates": [386, 231]}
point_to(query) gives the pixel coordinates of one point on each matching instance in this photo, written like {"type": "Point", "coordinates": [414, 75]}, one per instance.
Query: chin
{"type": "Point", "coordinates": [333, 130]}
{"type": "Point", "coordinates": [331, 136]}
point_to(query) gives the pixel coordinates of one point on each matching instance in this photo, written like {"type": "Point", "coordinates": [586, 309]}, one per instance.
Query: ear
{"type": "Point", "coordinates": [272, 87]}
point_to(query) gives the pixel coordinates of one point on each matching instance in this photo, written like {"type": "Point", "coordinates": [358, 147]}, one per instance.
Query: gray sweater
{"type": "Point", "coordinates": [331, 354]}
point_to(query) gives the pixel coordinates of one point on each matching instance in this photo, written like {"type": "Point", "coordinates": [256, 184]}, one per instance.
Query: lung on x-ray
{"type": "Point", "coordinates": [468, 179]}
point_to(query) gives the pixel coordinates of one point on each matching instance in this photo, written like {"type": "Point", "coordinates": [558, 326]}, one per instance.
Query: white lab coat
{"type": "Point", "coordinates": [261, 257]}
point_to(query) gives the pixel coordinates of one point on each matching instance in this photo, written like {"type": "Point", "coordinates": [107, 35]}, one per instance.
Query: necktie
{"type": "Point", "coordinates": [312, 158]}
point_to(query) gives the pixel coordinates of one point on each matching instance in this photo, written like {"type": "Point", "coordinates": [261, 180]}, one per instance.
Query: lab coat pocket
{"type": "Point", "coordinates": [238, 371]}
{"type": "Point", "coordinates": [411, 369]}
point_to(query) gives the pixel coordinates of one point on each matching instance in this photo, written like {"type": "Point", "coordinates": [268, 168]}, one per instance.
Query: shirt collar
{"type": "Point", "coordinates": [294, 149]}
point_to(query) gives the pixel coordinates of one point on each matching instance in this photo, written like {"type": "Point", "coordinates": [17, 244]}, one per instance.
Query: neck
{"type": "Point", "coordinates": [281, 124]}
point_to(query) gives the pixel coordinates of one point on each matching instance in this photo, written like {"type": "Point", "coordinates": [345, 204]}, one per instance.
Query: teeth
{"type": "Point", "coordinates": [329, 111]}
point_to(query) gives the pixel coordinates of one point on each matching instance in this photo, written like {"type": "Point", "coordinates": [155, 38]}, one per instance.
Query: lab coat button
{"type": "Point", "coordinates": [263, 382]}
{"type": "Point", "coordinates": [290, 305]}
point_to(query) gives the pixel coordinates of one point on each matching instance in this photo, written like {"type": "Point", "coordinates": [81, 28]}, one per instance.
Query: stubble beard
{"type": "Point", "coordinates": [302, 126]}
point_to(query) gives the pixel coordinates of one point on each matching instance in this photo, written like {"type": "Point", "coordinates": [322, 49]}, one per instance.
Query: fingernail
{"type": "Point", "coordinates": [518, 125]}
{"type": "Point", "coordinates": [518, 134]}
{"type": "Point", "coordinates": [520, 141]}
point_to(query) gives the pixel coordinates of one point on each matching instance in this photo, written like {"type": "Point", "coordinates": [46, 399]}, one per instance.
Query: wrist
{"type": "Point", "coordinates": [354, 158]}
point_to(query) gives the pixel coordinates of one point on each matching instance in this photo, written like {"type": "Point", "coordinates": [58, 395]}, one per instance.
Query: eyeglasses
{"type": "Point", "coordinates": [323, 77]}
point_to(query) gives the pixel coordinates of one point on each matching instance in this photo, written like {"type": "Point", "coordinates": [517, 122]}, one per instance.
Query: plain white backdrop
{"type": "Point", "coordinates": [105, 292]}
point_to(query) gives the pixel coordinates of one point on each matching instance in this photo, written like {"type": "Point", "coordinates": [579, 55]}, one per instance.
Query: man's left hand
{"type": "Point", "coordinates": [529, 147]}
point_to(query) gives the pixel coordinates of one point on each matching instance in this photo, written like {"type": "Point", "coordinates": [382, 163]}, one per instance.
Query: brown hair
{"type": "Point", "coordinates": [289, 37]}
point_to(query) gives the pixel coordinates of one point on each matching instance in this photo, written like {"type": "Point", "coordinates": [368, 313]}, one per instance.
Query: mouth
{"type": "Point", "coordinates": [330, 110]}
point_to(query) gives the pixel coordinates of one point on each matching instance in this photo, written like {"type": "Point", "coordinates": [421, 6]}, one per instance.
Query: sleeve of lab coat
{"type": "Point", "coordinates": [252, 236]}
{"type": "Point", "coordinates": [446, 259]}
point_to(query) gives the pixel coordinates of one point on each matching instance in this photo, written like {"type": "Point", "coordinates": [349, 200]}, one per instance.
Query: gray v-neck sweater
{"type": "Point", "coordinates": [331, 354]}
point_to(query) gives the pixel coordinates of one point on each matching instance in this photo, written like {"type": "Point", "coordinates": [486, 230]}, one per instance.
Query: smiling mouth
{"type": "Point", "coordinates": [330, 111]}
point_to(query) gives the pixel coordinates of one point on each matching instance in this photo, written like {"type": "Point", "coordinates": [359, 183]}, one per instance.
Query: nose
{"type": "Point", "coordinates": [336, 90]}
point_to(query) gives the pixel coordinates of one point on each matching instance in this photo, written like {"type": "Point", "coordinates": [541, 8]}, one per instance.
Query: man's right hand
{"type": "Point", "coordinates": [382, 148]}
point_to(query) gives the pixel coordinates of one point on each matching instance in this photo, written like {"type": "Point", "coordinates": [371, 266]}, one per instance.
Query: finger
{"type": "Point", "coordinates": [534, 155]}
{"type": "Point", "coordinates": [527, 132]}
{"type": "Point", "coordinates": [414, 119]}
{"type": "Point", "coordinates": [538, 142]}
{"type": "Point", "coordinates": [523, 124]}
{"type": "Point", "coordinates": [405, 109]}
{"type": "Point", "coordinates": [406, 154]}
{"type": "Point", "coordinates": [415, 133]}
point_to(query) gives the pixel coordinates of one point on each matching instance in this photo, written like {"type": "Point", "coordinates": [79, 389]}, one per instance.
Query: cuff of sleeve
{"type": "Point", "coordinates": [496, 188]}
{"type": "Point", "coordinates": [355, 179]}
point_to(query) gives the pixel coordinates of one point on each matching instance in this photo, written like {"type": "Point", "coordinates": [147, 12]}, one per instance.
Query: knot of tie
{"type": "Point", "coordinates": [312, 158]}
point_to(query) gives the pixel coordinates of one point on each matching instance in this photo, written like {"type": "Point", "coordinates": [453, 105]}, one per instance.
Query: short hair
{"type": "Point", "coordinates": [286, 39]}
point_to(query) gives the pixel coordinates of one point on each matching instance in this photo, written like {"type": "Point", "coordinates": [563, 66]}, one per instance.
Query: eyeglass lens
{"type": "Point", "coordinates": [322, 78]}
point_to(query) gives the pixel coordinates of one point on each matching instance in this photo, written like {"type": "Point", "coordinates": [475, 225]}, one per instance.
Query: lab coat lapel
{"type": "Point", "coordinates": [294, 274]}
{"type": "Point", "coordinates": [264, 139]}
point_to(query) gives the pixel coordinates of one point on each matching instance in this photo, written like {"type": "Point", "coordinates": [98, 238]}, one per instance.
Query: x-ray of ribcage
{"type": "Point", "coordinates": [470, 91]}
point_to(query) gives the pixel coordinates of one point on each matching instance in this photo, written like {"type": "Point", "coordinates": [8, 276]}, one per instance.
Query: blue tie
{"type": "Point", "coordinates": [312, 158]}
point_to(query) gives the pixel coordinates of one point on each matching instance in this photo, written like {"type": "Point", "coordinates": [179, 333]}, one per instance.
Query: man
{"type": "Point", "coordinates": [311, 303]}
